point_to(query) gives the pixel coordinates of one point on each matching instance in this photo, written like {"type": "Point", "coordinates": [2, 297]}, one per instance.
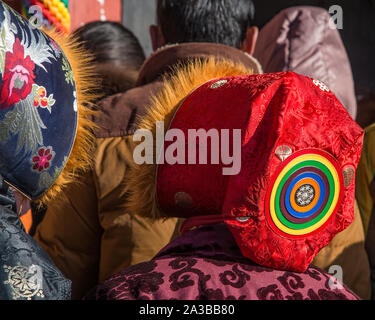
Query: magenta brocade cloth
{"type": "Point", "coordinates": [206, 264]}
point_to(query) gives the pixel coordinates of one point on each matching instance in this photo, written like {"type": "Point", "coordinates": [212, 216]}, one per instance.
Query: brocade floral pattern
{"type": "Point", "coordinates": [206, 264]}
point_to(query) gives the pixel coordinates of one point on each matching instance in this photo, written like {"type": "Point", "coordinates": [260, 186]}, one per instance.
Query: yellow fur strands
{"type": "Point", "coordinates": [87, 91]}
{"type": "Point", "coordinates": [141, 181]}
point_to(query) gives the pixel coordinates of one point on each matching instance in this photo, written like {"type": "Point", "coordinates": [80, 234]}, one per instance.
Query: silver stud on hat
{"type": "Point", "coordinates": [283, 152]}
{"type": "Point", "coordinates": [183, 199]}
{"type": "Point", "coordinates": [348, 175]}
{"type": "Point", "coordinates": [218, 84]}
{"type": "Point", "coordinates": [242, 219]}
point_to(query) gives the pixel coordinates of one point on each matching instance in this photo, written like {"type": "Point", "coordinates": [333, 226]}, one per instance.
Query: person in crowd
{"type": "Point", "coordinates": [95, 237]}
{"type": "Point", "coordinates": [320, 55]}
{"type": "Point", "coordinates": [117, 56]}
{"type": "Point", "coordinates": [366, 107]}
{"type": "Point", "coordinates": [365, 193]}
{"type": "Point", "coordinates": [365, 178]}
{"type": "Point", "coordinates": [45, 135]}
{"type": "Point", "coordinates": [184, 32]}
{"type": "Point", "coordinates": [117, 53]}
{"type": "Point", "coordinates": [254, 223]}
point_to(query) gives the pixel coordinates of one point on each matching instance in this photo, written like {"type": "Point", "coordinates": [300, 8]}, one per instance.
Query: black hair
{"type": "Point", "coordinates": [117, 53]}
{"type": "Point", "coordinates": [219, 21]}
{"type": "Point", "coordinates": [111, 42]}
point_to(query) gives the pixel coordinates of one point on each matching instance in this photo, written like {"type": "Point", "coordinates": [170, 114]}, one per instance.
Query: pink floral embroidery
{"type": "Point", "coordinates": [42, 160]}
{"type": "Point", "coordinates": [18, 76]}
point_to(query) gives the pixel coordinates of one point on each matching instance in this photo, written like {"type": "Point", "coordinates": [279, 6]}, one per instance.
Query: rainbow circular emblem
{"type": "Point", "coordinates": [304, 193]}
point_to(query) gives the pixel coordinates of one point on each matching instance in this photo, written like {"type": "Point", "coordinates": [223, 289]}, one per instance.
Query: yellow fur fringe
{"type": "Point", "coordinates": [141, 181]}
{"type": "Point", "coordinates": [87, 91]}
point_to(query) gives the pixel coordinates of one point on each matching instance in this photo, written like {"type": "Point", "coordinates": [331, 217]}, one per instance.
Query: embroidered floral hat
{"type": "Point", "coordinates": [41, 122]}
{"type": "Point", "coordinates": [298, 151]}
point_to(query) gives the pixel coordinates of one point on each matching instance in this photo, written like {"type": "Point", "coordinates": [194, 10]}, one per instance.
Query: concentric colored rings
{"type": "Point", "coordinates": [299, 211]}
{"type": "Point", "coordinates": [304, 193]}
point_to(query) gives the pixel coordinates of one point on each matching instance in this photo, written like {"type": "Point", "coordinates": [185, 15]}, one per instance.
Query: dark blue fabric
{"type": "Point", "coordinates": [38, 116]}
{"type": "Point", "coordinates": [23, 260]}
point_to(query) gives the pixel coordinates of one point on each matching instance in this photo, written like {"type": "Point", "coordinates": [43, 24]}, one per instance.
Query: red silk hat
{"type": "Point", "coordinates": [299, 151]}
{"type": "Point", "coordinates": [278, 166]}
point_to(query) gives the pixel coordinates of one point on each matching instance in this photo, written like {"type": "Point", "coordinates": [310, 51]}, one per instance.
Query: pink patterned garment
{"type": "Point", "coordinates": [206, 264]}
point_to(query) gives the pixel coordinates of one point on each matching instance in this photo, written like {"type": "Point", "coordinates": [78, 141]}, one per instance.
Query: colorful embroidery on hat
{"type": "Point", "coordinates": [69, 77]}
{"type": "Point", "coordinates": [18, 76]}
{"type": "Point", "coordinates": [23, 120]}
{"type": "Point", "coordinates": [18, 61]}
{"type": "Point", "coordinates": [43, 159]}
{"type": "Point", "coordinates": [36, 77]}
{"type": "Point", "coordinates": [304, 193]}
{"type": "Point", "coordinates": [41, 99]}
{"type": "Point", "coordinates": [46, 180]}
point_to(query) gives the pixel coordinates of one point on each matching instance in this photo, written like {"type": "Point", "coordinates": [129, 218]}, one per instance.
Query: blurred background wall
{"type": "Point", "coordinates": [138, 15]}
{"type": "Point", "coordinates": [83, 11]}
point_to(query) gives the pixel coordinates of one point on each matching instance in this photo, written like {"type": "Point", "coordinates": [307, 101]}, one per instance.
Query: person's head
{"type": "Point", "coordinates": [117, 53]}
{"type": "Point", "coordinates": [227, 22]}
